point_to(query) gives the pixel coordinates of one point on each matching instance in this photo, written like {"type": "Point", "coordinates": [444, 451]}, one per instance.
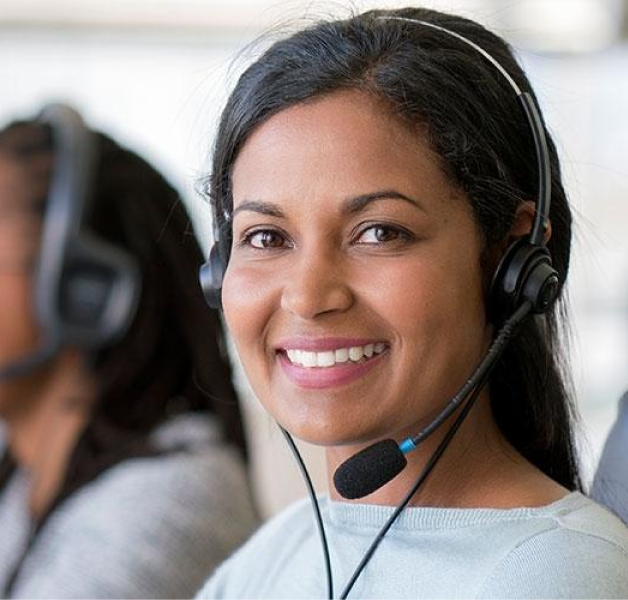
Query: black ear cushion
{"type": "Point", "coordinates": [542, 284]}
{"type": "Point", "coordinates": [211, 275]}
{"type": "Point", "coordinates": [98, 293]}
{"type": "Point", "coordinates": [524, 273]}
{"type": "Point", "coordinates": [84, 292]}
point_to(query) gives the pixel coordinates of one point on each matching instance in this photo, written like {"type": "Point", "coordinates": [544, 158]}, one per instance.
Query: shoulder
{"type": "Point", "coordinates": [151, 526]}
{"type": "Point", "coordinates": [281, 535]}
{"type": "Point", "coordinates": [581, 552]}
{"type": "Point", "coordinates": [198, 488]}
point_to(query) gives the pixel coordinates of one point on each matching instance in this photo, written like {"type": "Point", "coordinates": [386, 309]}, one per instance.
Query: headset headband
{"type": "Point", "coordinates": [541, 215]}
{"type": "Point", "coordinates": [74, 155]}
{"type": "Point", "coordinates": [525, 271]}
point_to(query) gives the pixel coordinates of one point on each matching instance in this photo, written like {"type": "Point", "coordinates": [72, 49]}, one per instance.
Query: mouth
{"type": "Point", "coordinates": [327, 368]}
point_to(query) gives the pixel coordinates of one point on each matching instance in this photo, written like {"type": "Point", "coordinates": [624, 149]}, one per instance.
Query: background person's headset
{"type": "Point", "coordinates": [524, 282]}
{"type": "Point", "coordinates": [86, 290]}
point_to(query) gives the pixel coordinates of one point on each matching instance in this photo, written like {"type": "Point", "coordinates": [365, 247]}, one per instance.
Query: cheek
{"type": "Point", "coordinates": [247, 300]}
{"type": "Point", "coordinates": [18, 331]}
{"type": "Point", "coordinates": [418, 293]}
{"type": "Point", "coordinates": [436, 310]}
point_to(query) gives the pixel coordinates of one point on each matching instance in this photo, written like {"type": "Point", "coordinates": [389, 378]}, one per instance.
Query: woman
{"type": "Point", "coordinates": [369, 175]}
{"type": "Point", "coordinates": [123, 460]}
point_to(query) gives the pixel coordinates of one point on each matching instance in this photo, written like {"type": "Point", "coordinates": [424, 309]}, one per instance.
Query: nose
{"type": "Point", "coordinates": [316, 284]}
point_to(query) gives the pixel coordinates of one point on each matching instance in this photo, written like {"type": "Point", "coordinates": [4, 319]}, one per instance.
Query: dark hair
{"type": "Point", "coordinates": [473, 121]}
{"type": "Point", "coordinates": [173, 357]}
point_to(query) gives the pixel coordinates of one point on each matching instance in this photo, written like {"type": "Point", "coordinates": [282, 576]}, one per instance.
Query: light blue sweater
{"type": "Point", "coordinates": [572, 548]}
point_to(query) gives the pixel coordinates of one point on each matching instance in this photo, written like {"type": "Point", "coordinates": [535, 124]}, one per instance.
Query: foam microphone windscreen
{"type": "Point", "coordinates": [369, 469]}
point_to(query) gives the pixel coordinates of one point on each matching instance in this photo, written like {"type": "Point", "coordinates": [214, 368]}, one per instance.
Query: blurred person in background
{"type": "Point", "coordinates": [122, 459]}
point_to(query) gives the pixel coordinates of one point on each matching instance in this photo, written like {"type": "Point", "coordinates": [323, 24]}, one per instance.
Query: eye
{"type": "Point", "coordinates": [265, 239]}
{"type": "Point", "coordinates": [383, 234]}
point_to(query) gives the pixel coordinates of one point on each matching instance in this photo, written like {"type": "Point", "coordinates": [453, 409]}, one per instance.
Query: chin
{"type": "Point", "coordinates": [329, 434]}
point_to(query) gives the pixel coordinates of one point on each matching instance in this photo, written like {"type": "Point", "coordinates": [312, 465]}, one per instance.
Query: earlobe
{"type": "Point", "coordinates": [522, 223]}
{"type": "Point", "coordinates": [521, 227]}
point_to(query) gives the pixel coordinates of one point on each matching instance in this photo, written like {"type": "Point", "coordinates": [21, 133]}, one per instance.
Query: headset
{"type": "Point", "coordinates": [525, 282]}
{"type": "Point", "coordinates": [212, 271]}
{"type": "Point", "coordinates": [525, 271]}
{"type": "Point", "coordinates": [86, 290]}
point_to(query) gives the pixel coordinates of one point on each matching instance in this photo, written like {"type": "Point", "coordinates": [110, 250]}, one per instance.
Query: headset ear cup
{"type": "Point", "coordinates": [211, 275]}
{"type": "Point", "coordinates": [99, 292]}
{"type": "Point", "coordinates": [542, 284]}
{"type": "Point", "coordinates": [502, 297]}
{"type": "Point", "coordinates": [524, 273]}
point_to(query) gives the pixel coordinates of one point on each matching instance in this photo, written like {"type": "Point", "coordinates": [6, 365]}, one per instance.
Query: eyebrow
{"type": "Point", "coordinates": [359, 203]}
{"type": "Point", "coordinates": [350, 205]}
{"type": "Point", "coordinates": [263, 208]}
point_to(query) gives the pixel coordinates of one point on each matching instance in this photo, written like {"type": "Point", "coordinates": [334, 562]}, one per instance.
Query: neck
{"type": "Point", "coordinates": [479, 468]}
{"type": "Point", "coordinates": [42, 437]}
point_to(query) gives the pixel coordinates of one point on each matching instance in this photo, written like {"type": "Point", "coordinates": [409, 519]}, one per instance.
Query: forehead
{"type": "Point", "coordinates": [334, 147]}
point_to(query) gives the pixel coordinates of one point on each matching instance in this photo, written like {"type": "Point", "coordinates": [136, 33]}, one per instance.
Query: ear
{"type": "Point", "coordinates": [522, 223]}
{"type": "Point", "coordinates": [521, 226]}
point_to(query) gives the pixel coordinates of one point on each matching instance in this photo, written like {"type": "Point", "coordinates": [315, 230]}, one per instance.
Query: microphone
{"type": "Point", "coordinates": [370, 469]}
{"type": "Point", "coordinates": [376, 465]}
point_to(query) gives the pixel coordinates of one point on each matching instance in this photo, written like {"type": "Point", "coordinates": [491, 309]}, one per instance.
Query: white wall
{"type": "Point", "coordinates": [160, 90]}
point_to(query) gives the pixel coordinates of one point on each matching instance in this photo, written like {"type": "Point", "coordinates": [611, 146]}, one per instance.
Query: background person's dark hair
{"type": "Point", "coordinates": [173, 357]}
{"type": "Point", "coordinates": [472, 119]}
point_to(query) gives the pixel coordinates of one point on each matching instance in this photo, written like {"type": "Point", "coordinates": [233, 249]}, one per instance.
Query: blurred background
{"type": "Point", "coordinates": [155, 74]}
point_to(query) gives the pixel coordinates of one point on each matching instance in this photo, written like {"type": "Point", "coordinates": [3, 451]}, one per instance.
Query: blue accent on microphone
{"type": "Point", "coordinates": [407, 446]}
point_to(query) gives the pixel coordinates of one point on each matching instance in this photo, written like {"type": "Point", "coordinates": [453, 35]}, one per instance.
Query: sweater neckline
{"type": "Point", "coordinates": [345, 514]}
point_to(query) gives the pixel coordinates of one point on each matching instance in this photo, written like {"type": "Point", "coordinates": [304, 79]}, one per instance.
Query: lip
{"type": "Point", "coordinates": [328, 377]}
{"type": "Point", "coordinates": [323, 344]}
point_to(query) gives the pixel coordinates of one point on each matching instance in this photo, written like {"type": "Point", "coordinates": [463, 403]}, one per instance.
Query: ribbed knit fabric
{"type": "Point", "coordinates": [146, 528]}
{"type": "Point", "coordinates": [610, 485]}
{"type": "Point", "coordinates": [572, 548]}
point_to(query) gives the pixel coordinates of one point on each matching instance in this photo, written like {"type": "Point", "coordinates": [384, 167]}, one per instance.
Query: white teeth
{"type": "Point", "coordinates": [309, 359]}
{"type": "Point", "coordinates": [329, 358]}
{"type": "Point", "coordinates": [356, 353]}
{"type": "Point", "coordinates": [342, 355]}
{"type": "Point", "coordinates": [326, 359]}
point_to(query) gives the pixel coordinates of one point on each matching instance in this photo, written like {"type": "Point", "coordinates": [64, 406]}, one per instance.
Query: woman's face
{"type": "Point", "coordinates": [351, 252]}
{"type": "Point", "coordinates": [20, 226]}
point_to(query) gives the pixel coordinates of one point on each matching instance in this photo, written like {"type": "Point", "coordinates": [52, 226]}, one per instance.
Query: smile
{"type": "Point", "coordinates": [329, 368]}
{"type": "Point", "coordinates": [330, 358]}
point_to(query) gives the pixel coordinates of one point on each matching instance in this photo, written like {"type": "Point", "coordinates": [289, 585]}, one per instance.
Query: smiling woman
{"type": "Point", "coordinates": [370, 178]}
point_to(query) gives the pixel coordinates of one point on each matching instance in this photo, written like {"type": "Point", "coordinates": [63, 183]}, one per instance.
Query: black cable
{"type": "Point", "coordinates": [506, 332]}
{"type": "Point", "coordinates": [492, 355]}
{"type": "Point", "coordinates": [317, 511]}
{"type": "Point", "coordinates": [497, 348]}
{"type": "Point", "coordinates": [426, 471]}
